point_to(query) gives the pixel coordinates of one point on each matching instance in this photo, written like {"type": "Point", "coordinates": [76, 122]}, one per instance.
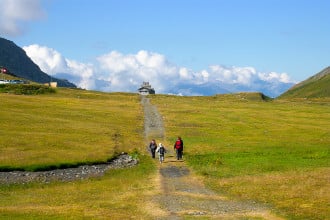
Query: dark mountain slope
{"type": "Point", "coordinates": [317, 86]}
{"type": "Point", "coordinates": [17, 62]}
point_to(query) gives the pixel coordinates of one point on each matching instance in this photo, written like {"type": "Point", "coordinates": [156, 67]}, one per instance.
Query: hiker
{"type": "Point", "coordinates": [152, 147]}
{"type": "Point", "coordinates": [161, 152]}
{"type": "Point", "coordinates": [178, 147]}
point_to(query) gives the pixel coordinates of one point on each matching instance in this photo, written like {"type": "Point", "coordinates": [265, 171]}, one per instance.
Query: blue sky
{"type": "Point", "coordinates": [273, 37]}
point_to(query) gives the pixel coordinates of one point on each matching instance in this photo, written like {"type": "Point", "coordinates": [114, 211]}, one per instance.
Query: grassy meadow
{"type": "Point", "coordinates": [68, 128]}
{"type": "Point", "coordinates": [120, 194]}
{"type": "Point", "coordinates": [274, 152]}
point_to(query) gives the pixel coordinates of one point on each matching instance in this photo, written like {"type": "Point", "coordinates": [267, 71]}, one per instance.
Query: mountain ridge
{"type": "Point", "coordinates": [316, 86]}
{"type": "Point", "coordinates": [14, 58]}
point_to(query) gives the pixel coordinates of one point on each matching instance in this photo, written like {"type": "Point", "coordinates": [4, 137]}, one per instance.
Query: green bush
{"type": "Point", "coordinates": [26, 89]}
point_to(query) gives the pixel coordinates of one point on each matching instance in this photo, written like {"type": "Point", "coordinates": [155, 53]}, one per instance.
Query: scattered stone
{"type": "Point", "coordinates": [67, 175]}
{"type": "Point", "coordinates": [197, 213]}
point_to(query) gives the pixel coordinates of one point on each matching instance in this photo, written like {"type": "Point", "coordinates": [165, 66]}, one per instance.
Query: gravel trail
{"type": "Point", "coordinates": [180, 194]}
{"type": "Point", "coordinates": [153, 122]}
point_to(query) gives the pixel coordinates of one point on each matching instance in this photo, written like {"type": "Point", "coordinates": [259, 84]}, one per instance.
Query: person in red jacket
{"type": "Point", "coordinates": [178, 147]}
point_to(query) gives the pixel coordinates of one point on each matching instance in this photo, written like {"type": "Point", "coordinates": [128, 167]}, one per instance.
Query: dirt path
{"type": "Point", "coordinates": [179, 194]}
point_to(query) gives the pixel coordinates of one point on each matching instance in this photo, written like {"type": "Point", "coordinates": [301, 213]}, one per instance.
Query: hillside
{"type": "Point", "coordinates": [249, 96]}
{"type": "Point", "coordinates": [7, 76]}
{"type": "Point", "coordinates": [317, 86]}
{"type": "Point", "coordinates": [17, 62]}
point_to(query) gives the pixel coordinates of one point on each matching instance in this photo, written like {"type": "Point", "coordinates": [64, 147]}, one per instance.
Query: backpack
{"type": "Point", "coordinates": [178, 144]}
{"type": "Point", "coordinates": [161, 150]}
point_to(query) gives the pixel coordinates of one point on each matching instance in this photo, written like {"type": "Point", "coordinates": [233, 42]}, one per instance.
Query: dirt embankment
{"type": "Point", "coordinates": [179, 194]}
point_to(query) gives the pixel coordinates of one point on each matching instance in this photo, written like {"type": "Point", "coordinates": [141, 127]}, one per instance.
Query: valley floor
{"type": "Point", "coordinates": [179, 194]}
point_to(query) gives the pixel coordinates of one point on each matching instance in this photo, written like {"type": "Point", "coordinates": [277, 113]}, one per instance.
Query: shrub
{"type": "Point", "coordinates": [24, 89]}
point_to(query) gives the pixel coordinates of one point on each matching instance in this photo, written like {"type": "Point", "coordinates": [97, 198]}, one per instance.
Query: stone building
{"type": "Point", "coordinates": [146, 89]}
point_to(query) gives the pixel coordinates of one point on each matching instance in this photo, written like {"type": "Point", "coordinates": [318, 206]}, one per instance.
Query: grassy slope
{"type": "Point", "coordinates": [7, 76]}
{"type": "Point", "coordinates": [71, 127]}
{"type": "Point", "coordinates": [274, 152]}
{"type": "Point", "coordinates": [317, 86]}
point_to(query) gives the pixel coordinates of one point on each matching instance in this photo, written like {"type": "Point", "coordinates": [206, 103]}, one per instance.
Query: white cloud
{"type": "Point", "coordinates": [246, 75]}
{"type": "Point", "coordinates": [184, 74]}
{"type": "Point", "coordinates": [48, 59]}
{"type": "Point", "coordinates": [115, 71]}
{"type": "Point", "coordinates": [53, 63]}
{"type": "Point", "coordinates": [15, 13]}
{"type": "Point", "coordinates": [272, 76]}
{"type": "Point", "coordinates": [126, 72]}
{"type": "Point", "coordinates": [232, 75]}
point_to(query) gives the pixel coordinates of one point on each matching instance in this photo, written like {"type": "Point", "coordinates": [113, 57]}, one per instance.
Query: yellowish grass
{"type": "Point", "coordinates": [120, 194]}
{"type": "Point", "coordinates": [149, 205]}
{"type": "Point", "coordinates": [74, 126]}
{"type": "Point", "coordinates": [68, 127]}
{"type": "Point", "coordinates": [305, 193]}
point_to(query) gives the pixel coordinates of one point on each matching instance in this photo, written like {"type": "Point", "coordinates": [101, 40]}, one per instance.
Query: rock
{"type": "Point", "coordinates": [69, 174]}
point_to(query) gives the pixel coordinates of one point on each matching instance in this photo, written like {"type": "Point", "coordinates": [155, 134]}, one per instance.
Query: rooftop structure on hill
{"type": "Point", "coordinates": [146, 89]}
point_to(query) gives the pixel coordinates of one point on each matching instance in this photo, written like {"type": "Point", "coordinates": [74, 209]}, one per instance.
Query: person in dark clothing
{"type": "Point", "coordinates": [178, 147]}
{"type": "Point", "coordinates": [153, 147]}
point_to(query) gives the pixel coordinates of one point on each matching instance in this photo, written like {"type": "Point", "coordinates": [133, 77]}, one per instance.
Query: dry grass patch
{"type": "Point", "coordinates": [302, 194]}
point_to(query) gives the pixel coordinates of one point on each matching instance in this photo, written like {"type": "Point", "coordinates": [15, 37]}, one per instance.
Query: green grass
{"type": "Point", "coordinates": [231, 138]}
{"type": "Point", "coordinates": [120, 194]}
{"type": "Point", "coordinates": [25, 89]}
{"type": "Point", "coordinates": [68, 127]}
{"type": "Point", "coordinates": [250, 148]}
{"type": "Point", "coordinates": [255, 161]}
{"type": "Point", "coordinates": [315, 87]}
{"type": "Point", "coordinates": [8, 76]}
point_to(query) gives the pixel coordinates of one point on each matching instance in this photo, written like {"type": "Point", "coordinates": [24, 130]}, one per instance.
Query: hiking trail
{"type": "Point", "coordinates": [179, 193]}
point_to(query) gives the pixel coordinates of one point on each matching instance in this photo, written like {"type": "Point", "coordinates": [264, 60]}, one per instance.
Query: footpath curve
{"type": "Point", "coordinates": [179, 193]}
